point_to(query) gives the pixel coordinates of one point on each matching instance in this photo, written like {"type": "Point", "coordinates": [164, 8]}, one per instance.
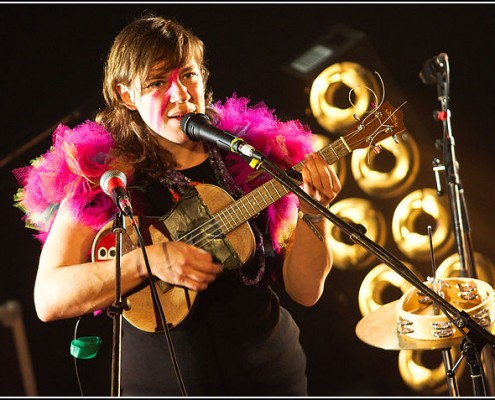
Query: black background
{"type": "Point", "coordinates": [52, 56]}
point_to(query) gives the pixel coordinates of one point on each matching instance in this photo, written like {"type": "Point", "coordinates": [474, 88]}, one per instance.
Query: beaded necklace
{"type": "Point", "coordinates": [177, 183]}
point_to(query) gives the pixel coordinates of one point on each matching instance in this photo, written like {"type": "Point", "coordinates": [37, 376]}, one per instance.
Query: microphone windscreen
{"type": "Point", "coordinates": [108, 176]}
{"type": "Point", "coordinates": [190, 121]}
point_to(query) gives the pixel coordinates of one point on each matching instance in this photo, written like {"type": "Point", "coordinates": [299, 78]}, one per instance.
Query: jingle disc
{"type": "Point", "coordinates": [379, 329]}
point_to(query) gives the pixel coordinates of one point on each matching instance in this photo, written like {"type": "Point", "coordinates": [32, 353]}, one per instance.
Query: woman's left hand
{"type": "Point", "coordinates": [319, 181]}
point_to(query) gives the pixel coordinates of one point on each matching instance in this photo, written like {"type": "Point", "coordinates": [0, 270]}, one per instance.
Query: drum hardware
{"type": "Point", "coordinates": [402, 325]}
{"type": "Point", "coordinates": [442, 329]}
{"type": "Point", "coordinates": [426, 324]}
{"type": "Point", "coordinates": [380, 329]}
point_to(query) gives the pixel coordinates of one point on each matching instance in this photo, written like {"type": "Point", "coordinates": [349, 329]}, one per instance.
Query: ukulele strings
{"type": "Point", "coordinates": [211, 229]}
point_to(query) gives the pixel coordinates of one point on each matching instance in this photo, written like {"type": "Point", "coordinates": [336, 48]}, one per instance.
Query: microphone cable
{"type": "Point", "coordinates": [75, 361]}
{"type": "Point", "coordinates": [83, 348]}
{"type": "Point", "coordinates": [157, 303]}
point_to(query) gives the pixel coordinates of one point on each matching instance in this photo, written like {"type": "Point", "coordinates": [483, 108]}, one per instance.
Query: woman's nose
{"type": "Point", "coordinates": [179, 93]}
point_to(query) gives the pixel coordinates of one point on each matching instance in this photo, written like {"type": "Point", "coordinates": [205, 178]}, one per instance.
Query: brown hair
{"type": "Point", "coordinates": [140, 45]}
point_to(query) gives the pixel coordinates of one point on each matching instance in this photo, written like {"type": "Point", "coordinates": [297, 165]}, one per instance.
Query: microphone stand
{"type": "Point", "coordinates": [451, 166]}
{"type": "Point", "coordinates": [475, 336]}
{"type": "Point", "coordinates": [441, 76]}
{"type": "Point", "coordinates": [116, 309]}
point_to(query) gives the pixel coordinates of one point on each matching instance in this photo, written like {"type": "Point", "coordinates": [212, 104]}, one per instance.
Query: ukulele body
{"type": "Point", "coordinates": [192, 221]}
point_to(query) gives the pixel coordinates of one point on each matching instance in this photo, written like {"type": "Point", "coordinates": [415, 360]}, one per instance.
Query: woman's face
{"type": "Point", "coordinates": [165, 97]}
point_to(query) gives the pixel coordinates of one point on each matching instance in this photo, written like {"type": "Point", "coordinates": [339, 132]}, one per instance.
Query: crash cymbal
{"type": "Point", "coordinates": [379, 329]}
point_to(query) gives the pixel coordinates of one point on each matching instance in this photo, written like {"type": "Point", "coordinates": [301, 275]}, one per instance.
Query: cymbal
{"type": "Point", "coordinates": [379, 329]}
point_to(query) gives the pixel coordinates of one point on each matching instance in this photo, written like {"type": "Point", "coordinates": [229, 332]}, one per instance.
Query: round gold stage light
{"type": "Point", "coordinates": [424, 370]}
{"type": "Point", "coordinates": [342, 92]}
{"type": "Point", "coordinates": [375, 290]}
{"type": "Point", "coordinates": [451, 268]}
{"type": "Point", "coordinates": [390, 172]}
{"type": "Point", "coordinates": [347, 254]}
{"type": "Point", "coordinates": [410, 223]}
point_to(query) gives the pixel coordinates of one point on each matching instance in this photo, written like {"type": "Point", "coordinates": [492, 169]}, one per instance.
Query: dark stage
{"type": "Point", "coordinates": [52, 56]}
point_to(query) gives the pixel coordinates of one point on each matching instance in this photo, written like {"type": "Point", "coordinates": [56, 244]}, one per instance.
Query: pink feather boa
{"type": "Point", "coordinates": [71, 168]}
{"type": "Point", "coordinates": [283, 143]}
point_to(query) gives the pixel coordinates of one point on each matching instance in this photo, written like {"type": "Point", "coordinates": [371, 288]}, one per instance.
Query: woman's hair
{"type": "Point", "coordinates": [140, 45]}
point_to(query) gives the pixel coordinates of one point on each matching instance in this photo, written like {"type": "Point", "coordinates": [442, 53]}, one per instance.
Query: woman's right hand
{"type": "Point", "coordinates": [181, 264]}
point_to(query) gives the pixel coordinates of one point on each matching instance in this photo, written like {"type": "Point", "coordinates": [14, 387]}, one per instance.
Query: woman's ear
{"type": "Point", "coordinates": [125, 95]}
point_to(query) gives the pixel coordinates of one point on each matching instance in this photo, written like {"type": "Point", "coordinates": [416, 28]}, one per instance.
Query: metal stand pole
{"type": "Point", "coordinates": [437, 70]}
{"type": "Point", "coordinates": [11, 315]}
{"type": "Point", "coordinates": [115, 311]}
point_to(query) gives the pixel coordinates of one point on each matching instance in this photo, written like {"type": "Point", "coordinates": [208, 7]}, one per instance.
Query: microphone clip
{"type": "Point", "coordinates": [254, 156]}
{"type": "Point", "coordinates": [113, 183]}
{"type": "Point", "coordinates": [434, 69]}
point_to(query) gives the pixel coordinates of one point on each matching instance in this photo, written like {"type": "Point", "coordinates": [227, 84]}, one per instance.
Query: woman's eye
{"type": "Point", "coordinates": [190, 75]}
{"type": "Point", "coordinates": [154, 84]}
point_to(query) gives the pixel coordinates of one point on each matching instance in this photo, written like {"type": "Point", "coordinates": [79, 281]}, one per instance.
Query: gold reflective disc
{"type": "Point", "coordinates": [348, 255]}
{"type": "Point", "coordinates": [374, 287]}
{"type": "Point", "coordinates": [390, 172]}
{"type": "Point", "coordinates": [329, 95]}
{"type": "Point", "coordinates": [410, 220]}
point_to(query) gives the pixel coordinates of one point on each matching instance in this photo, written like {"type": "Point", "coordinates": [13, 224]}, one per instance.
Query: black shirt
{"type": "Point", "coordinates": [235, 339]}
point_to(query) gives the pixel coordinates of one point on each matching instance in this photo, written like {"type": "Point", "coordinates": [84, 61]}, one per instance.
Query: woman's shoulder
{"type": "Point", "coordinates": [70, 169]}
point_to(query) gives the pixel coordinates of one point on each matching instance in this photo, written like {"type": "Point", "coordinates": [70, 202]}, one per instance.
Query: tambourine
{"type": "Point", "coordinates": [418, 318]}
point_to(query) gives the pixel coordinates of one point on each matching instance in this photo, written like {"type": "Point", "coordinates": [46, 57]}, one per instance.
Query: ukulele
{"type": "Point", "coordinates": [208, 217]}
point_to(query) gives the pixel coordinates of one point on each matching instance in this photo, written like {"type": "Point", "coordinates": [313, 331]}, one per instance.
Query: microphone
{"type": "Point", "coordinates": [197, 127]}
{"type": "Point", "coordinates": [113, 183]}
{"type": "Point", "coordinates": [433, 68]}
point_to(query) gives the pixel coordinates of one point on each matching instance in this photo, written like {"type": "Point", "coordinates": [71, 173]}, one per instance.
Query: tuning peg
{"type": "Point", "coordinates": [356, 118]}
{"type": "Point", "coordinates": [377, 149]}
{"type": "Point", "coordinates": [396, 139]}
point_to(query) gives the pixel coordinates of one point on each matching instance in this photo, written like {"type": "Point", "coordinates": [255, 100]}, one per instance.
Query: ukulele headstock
{"type": "Point", "coordinates": [379, 124]}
